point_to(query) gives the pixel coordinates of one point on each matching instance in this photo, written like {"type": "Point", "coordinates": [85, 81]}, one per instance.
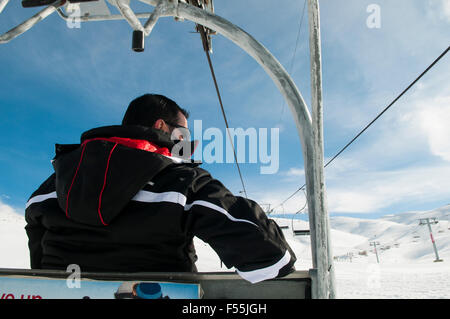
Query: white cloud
{"type": "Point", "coordinates": [439, 8]}
{"type": "Point", "coordinates": [404, 159]}
{"type": "Point", "coordinates": [380, 62]}
{"type": "Point", "coordinates": [371, 191]}
{"type": "Point", "coordinates": [352, 201]}
{"type": "Point", "coordinates": [8, 213]}
{"type": "Point", "coordinates": [446, 9]}
{"type": "Point", "coordinates": [434, 118]}
{"type": "Point", "coordinates": [358, 189]}
{"type": "Point", "coordinates": [290, 179]}
{"type": "Point", "coordinates": [295, 172]}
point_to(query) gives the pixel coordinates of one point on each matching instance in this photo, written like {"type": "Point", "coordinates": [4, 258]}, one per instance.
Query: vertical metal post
{"type": "Point", "coordinates": [426, 221]}
{"type": "Point", "coordinates": [318, 213]}
{"type": "Point", "coordinates": [374, 244]}
{"type": "Point", "coordinates": [432, 240]}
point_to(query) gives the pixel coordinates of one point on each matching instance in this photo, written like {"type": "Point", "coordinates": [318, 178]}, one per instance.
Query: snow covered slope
{"type": "Point", "coordinates": [400, 236]}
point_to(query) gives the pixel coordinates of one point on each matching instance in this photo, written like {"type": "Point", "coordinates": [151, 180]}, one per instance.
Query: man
{"type": "Point", "coordinates": [121, 201]}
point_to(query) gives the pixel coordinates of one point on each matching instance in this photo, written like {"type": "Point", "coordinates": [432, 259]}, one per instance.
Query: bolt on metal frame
{"type": "Point", "coordinates": [310, 128]}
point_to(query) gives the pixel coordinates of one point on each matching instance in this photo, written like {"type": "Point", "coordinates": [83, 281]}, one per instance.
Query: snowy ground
{"type": "Point", "coordinates": [406, 268]}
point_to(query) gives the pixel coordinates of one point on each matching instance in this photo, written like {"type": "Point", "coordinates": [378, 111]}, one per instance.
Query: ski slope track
{"type": "Point", "coordinates": [406, 267]}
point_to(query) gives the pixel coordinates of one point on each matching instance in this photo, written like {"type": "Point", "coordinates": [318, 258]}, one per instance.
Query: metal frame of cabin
{"type": "Point", "coordinates": [214, 285]}
{"type": "Point", "coordinates": [309, 126]}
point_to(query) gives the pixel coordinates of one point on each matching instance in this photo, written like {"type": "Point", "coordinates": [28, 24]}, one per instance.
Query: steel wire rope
{"type": "Point", "coordinates": [291, 68]}
{"type": "Point", "coordinates": [203, 35]}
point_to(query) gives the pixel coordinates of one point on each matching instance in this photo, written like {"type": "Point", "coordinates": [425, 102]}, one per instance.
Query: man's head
{"type": "Point", "coordinates": [159, 112]}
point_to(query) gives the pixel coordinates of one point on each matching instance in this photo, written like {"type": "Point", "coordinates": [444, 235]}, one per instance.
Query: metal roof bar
{"type": "Point", "coordinates": [3, 4]}
{"type": "Point", "coordinates": [317, 206]}
{"type": "Point", "coordinates": [28, 24]}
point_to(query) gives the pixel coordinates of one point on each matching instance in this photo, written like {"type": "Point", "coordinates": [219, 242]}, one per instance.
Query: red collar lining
{"type": "Point", "coordinates": [143, 145]}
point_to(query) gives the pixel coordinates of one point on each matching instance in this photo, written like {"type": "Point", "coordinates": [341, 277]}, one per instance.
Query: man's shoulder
{"type": "Point", "coordinates": [187, 167]}
{"type": "Point", "coordinates": [46, 193]}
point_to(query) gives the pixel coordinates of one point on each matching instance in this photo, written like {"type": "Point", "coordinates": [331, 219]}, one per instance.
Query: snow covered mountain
{"type": "Point", "coordinates": [406, 267]}
{"type": "Point", "coordinates": [400, 236]}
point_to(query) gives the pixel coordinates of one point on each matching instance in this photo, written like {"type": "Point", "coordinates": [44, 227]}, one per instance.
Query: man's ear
{"type": "Point", "coordinates": [159, 123]}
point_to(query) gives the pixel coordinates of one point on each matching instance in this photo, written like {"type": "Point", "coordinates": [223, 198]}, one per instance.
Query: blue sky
{"type": "Point", "coordinates": [57, 82]}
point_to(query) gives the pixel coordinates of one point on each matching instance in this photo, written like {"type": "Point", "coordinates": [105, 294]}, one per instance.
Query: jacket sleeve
{"type": "Point", "coordinates": [239, 231]}
{"type": "Point", "coordinates": [35, 231]}
{"type": "Point", "coordinates": [33, 215]}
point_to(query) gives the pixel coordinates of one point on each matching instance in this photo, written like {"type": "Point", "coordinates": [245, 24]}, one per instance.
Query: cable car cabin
{"type": "Point", "coordinates": [211, 285]}
{"type": "Point", "coordinates": [201, 12]}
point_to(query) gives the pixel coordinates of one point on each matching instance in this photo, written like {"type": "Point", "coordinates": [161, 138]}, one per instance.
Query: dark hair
{"type": "Point", "coordinates": [148, 108]}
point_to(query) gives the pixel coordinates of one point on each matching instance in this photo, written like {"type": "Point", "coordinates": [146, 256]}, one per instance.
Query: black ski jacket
{"type": "Point", "coordinates": [120, 201]}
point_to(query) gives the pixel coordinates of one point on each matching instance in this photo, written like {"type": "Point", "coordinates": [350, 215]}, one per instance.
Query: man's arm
{"type": "Point", "coordinates": [239, 231]}
{"type": "Point", "coordinates": [35, 231]}
{"type": "Point", "coordinates": [34, 228]}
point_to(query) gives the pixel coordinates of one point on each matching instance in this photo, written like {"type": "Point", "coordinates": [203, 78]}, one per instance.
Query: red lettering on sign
{"type": "Point", "coordinates": [22, 296]}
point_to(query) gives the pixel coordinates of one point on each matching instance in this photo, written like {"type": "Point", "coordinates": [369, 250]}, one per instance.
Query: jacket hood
{"type": "Point", "coordinates": [97, 178]}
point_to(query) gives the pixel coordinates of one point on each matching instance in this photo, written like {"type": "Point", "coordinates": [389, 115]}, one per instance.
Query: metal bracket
{"type": "Point", "coordinates": [128, 14]}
